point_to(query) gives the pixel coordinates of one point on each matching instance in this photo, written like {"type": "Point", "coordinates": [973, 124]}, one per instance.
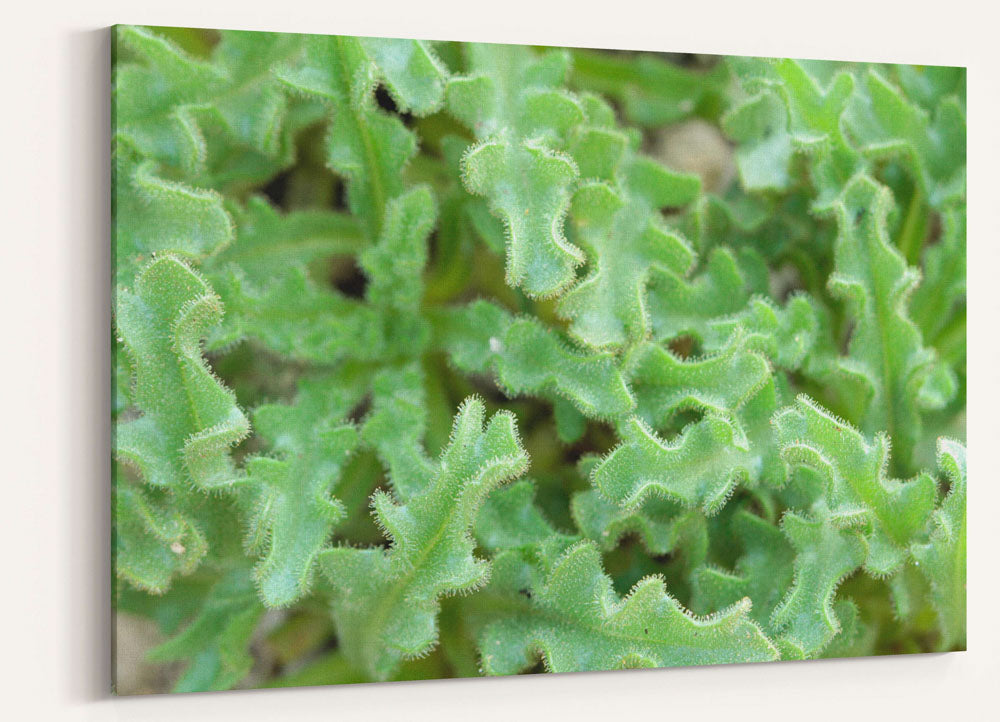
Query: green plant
{"type": "Point", "coordinates": [605, 414]}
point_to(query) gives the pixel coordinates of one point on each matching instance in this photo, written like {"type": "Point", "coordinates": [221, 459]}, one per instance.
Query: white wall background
{"type": "Point", "coordinates": [54, 635]}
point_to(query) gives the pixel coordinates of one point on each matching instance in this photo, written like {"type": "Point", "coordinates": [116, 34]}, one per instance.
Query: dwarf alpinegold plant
{"type": "Point", "coordinates": [427, 364]}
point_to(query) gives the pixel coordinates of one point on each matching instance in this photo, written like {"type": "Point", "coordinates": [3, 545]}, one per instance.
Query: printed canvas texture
{"type": "Point", "coordinates": [441, 359]}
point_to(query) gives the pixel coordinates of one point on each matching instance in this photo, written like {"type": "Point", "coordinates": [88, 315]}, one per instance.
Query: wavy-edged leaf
{"type": "Point", "coordinates": [886, 355]}
{"type": "Point", "coordinates": [824, 555]}
{"type": "Point", "coordinates": [887, 124]}
{"type": "Point", "coordinates": [396, 428]}
{"type": "Point", "coordinates": [531, 359]}
{"type": "Point", "coordinates": [151, 97]}
{"type": "Point", "coordinates": [216, 644]}
{"type": "Point", "coordinates": [814, 120]}
{"type": "Point", "coordinates": [942, 559]}
{"type": "Point", "coordinates": [395, 263]}
{"type": "Point", "coordinates": [679, 306]}
{"type": "Point", "coordinates": [471, 335]}
{"type": "Point", "coordinates": [292, 511]}
{"type": "Point", "coordinates": [857, 487]}
{"type": "Point", "coordinates": [268, 242]}
{"type": "Point", "coordinates": [576, 622]}
{"type": "Point", "coordinates": [621, 231]}
{"type": "Point", "coordinates": [165, 100]}
{"type": "Point", "coordinates": [718, 384]}
{"type": "Point", "coordinates": [189, 419]}
{"type": "Point", "coordinates": [153, 539]}
{"type": "Point", "coordinates": [416, 77]}
{"type": "Point", "coordinates": [155, 215]}
{"type": "Point", "coordinates": [857, 636]}
{"type": "Point", "coordinates": [656, 521]}
{"type": "Point", "coordinates": [785, 336]}
{"type": "Point", "coordinates": [528, 187]}
{"type": "Point", "coordinates": [763, 570]}
{"type": "Point", "coordinates": [385, 602]}
{"type": "Point", "coordinates": [364, 145]}
{"type": "Point", "coordinates": [510, 104]}
{"type": "Point", "coordinates": [509, 519]}
{"type": "Point", "coordinates": [700, 469]}
{"type": "Point", "coordinates": [937, 306]}
{"type": "Point", "coordinates": [295, 317]}
{"type": "Point", "coordinates": [760, 125]}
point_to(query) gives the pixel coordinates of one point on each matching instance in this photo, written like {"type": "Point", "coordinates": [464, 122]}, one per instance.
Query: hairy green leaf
{"type": "Point", "coordinates": [368, 147]}
{"type": "Point", "coordinates": [886, 356]}
{"type": "Point", "coordinates": [395, 225]}
{"type": "Point", "coordinates": [154, 540]}
{"type": "Point", "coordinates": [824, 555]}
{"type": "Point", "coordinates": [189, 419]}
{"type": "Point", "coordinates": [386, 601]}
{"type": "Point", "coordinates": [292, 511]}
{"type": "Point", "coordinates": [858, 490]}
{"type": "Point", "coordinates": [701, 469]}
{"type": "Point", "coordinates": [154, 215]}
{"type": "Point", "coordinates": [217, 641]}
{"type": "Point", "coordinates": [942, 559]}
{"type": "Point", "coordinates": [576, 622]}
{"type": "Point", "coordinates": [510, 104]}
{"type": "Point", "coordinates": [168, 103]}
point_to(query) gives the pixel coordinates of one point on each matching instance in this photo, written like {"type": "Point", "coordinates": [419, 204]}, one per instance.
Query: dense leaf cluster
{"type": "Point", "coordinates": [427, 364]}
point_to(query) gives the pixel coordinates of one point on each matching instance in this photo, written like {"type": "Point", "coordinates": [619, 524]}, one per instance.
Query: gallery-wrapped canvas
{"type": "Point", "coordinates": [442, 359]}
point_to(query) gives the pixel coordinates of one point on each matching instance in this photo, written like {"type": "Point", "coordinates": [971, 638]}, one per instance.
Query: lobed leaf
{"type": "Point", "coordinates": [369, 148]}
{"type": "Point", "coordinates": [624, 240]}
{"type": "Point", "coordinates": [291, 510]}
{"type": "Point", "coordinates": [268, 242]}
{"type": "Point", "coordinates": [396, 427]}
{"type": "Point", "coordinates": [942, 559]}
{"type": "Point", "coordinates": [415, 75]}
{"type": "Point", "coordinates": [153, 215]}
{"type": "Point", "coordinates": [531, 359]}
{"type": "Point", "coordinates": [509, 519]}
{"type": "Point", "coordinates": [509, 103]}
{"type": "Point", "coordinates": [824, 555]}
{"type": "Point", "coordinates": [153, 539]}
{"type": "Point", "coordinates": [718, 384]}
{"type": "Point", "coordinates": [189, 420]}
{"type": "Point", "coordinates": [763, 572]}
{"type": "Point", "coordinates": [937, 306]}
{"type": "Point", "coordinates": [216, 643]}
{"type": "Point", "coordinates": [701, 469]}
{"type": "Point", "coordinates": [295, 317]}
{"type": "Point", "coordinates": [576, 622]}
{"type": "Point", "coordinates": [680, 307]}
{"type": "Point", "coordinates": [887, 124]}
{"type": "Point", "coordinates": [885, 355]}
{"type": "Point", "coordinates": [394, 264]}
{"type": "Point", "coordinates": [385, 602]}
{"type": "Point", "coordinates": [658, 521]}
{"type": "Point", "coordinates": [167, 103]}
{"type": "Point", "coordinates": [857, 488]}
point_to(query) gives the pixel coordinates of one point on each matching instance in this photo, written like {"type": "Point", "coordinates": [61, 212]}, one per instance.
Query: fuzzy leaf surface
{"type": "Point", "coordinates": [576, 622]}
{"type": "Point", "coordinates": [386, 602]}
{"type": "Point", "coordinates": [942, 559]}
{"type": "Point", "coordinates": [189, 419]}
{"type": "Point", "coordinates": [292, 512]}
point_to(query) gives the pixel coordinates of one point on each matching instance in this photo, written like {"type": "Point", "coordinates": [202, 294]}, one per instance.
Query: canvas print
{"type": "Point", "coordinates": [442, 359]}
